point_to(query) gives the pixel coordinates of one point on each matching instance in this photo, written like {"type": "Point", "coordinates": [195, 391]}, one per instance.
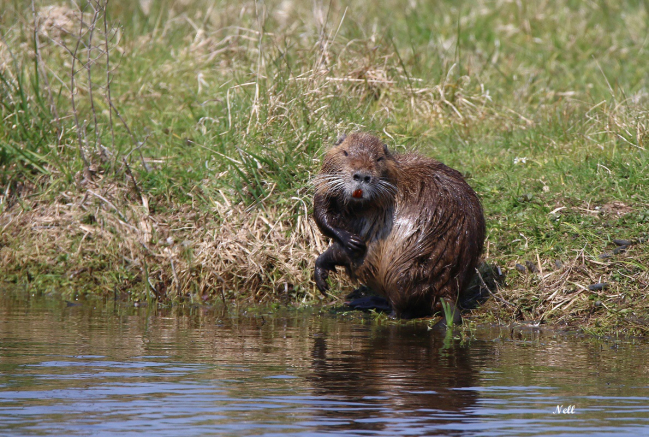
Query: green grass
{"type": "Point", "coordinates": [543, 106]}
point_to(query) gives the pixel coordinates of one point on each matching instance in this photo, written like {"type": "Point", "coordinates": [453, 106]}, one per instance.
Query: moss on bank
{"type": "Point", "coordinates": [190, 179]}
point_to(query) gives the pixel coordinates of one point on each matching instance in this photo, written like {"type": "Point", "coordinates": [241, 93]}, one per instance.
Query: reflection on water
{"type": "Point", "coordinates": [107, 369]}
{"type": "Point", "coordinates": [396, 378]}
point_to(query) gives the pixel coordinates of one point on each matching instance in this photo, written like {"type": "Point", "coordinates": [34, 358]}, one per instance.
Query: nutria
{"type": "Point", "coordinates": [406, 226]}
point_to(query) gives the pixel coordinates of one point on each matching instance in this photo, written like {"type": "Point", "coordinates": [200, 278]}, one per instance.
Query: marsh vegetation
{"type": "Point", "coordinates": [164, 150]}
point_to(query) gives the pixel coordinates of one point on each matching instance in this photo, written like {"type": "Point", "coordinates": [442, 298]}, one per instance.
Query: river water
{"type": "Point", "coordinates": [105, 368]}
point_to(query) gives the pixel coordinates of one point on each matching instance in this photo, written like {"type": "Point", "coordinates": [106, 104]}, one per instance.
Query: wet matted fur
{"type": "Point", "coordinates": [407, 226]}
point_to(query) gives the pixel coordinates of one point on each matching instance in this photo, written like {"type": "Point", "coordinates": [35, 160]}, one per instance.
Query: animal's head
{"type": "Point", "coordinates": [358, 169]}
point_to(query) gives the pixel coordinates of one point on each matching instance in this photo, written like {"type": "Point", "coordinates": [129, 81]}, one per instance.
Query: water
{"type": "Point", "coordinates": [111, 369]}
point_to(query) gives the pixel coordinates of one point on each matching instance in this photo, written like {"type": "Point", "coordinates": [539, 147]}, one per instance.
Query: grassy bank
{"type": "Point", "coordinates": [167, 150]}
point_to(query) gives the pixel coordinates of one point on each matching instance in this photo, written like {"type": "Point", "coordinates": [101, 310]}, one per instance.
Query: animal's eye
{"type": "Point", "coordinates": [379, 159]}
{"type": "Point", "coordinates": [345, 152]}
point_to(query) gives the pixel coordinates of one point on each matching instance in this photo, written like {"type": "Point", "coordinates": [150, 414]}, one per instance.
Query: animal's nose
{"type": "Point", "coordinates": [362, 176]}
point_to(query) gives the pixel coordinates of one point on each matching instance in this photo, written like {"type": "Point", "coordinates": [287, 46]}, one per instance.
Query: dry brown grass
{"type": "Point", "coordinates": [596, 293]}
{"type": "Point", "coordinates": [245, 254]}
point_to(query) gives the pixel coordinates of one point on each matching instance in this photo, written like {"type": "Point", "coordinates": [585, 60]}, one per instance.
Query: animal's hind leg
{"type": "Point", "coordinates": [334, 256]}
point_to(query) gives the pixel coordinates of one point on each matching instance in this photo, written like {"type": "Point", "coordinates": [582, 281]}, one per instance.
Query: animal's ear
{"type": "Point", "coordinates": [341, 139]}
{"type": "Point", "coordinates": [386, 150]}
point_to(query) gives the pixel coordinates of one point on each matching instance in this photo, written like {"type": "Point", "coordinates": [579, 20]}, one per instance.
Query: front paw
{"type": "Point", "coordinates": [320, 277]}
{"type": "Point", "coordinates": [355, 245]}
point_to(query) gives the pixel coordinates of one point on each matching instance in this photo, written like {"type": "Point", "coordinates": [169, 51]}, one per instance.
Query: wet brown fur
{"type": "Point", "coordinates": [420, 225]}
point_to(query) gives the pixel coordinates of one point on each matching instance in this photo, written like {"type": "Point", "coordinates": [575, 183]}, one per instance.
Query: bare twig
{"type": "Point", "coordinates": [39, 61]}
{"type": "Point", "coordinates": [91, 32]}
{"type": "Point", "coordinates": [108, 96]}
{"type": "Point", "coordinates": [255, 104]}
{"type": "Point", "coordinates": [495, 296]}
{"type": "Point", "coordinates": [135, 143]}
{"type": "Point", "coordinates": [109, 203]}
{"type": "Point", "coordinates": [86, 165]}
{"type": "Point", "coordinates": [175, 275]}
{"type": "Point", "coordinates": [137, 189]}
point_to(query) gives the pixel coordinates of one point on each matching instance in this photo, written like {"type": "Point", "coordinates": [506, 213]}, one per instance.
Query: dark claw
{"type": "Point", "coordinates": [321, 276]}
{"type": "Point", "coordinates": [355, 245]}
